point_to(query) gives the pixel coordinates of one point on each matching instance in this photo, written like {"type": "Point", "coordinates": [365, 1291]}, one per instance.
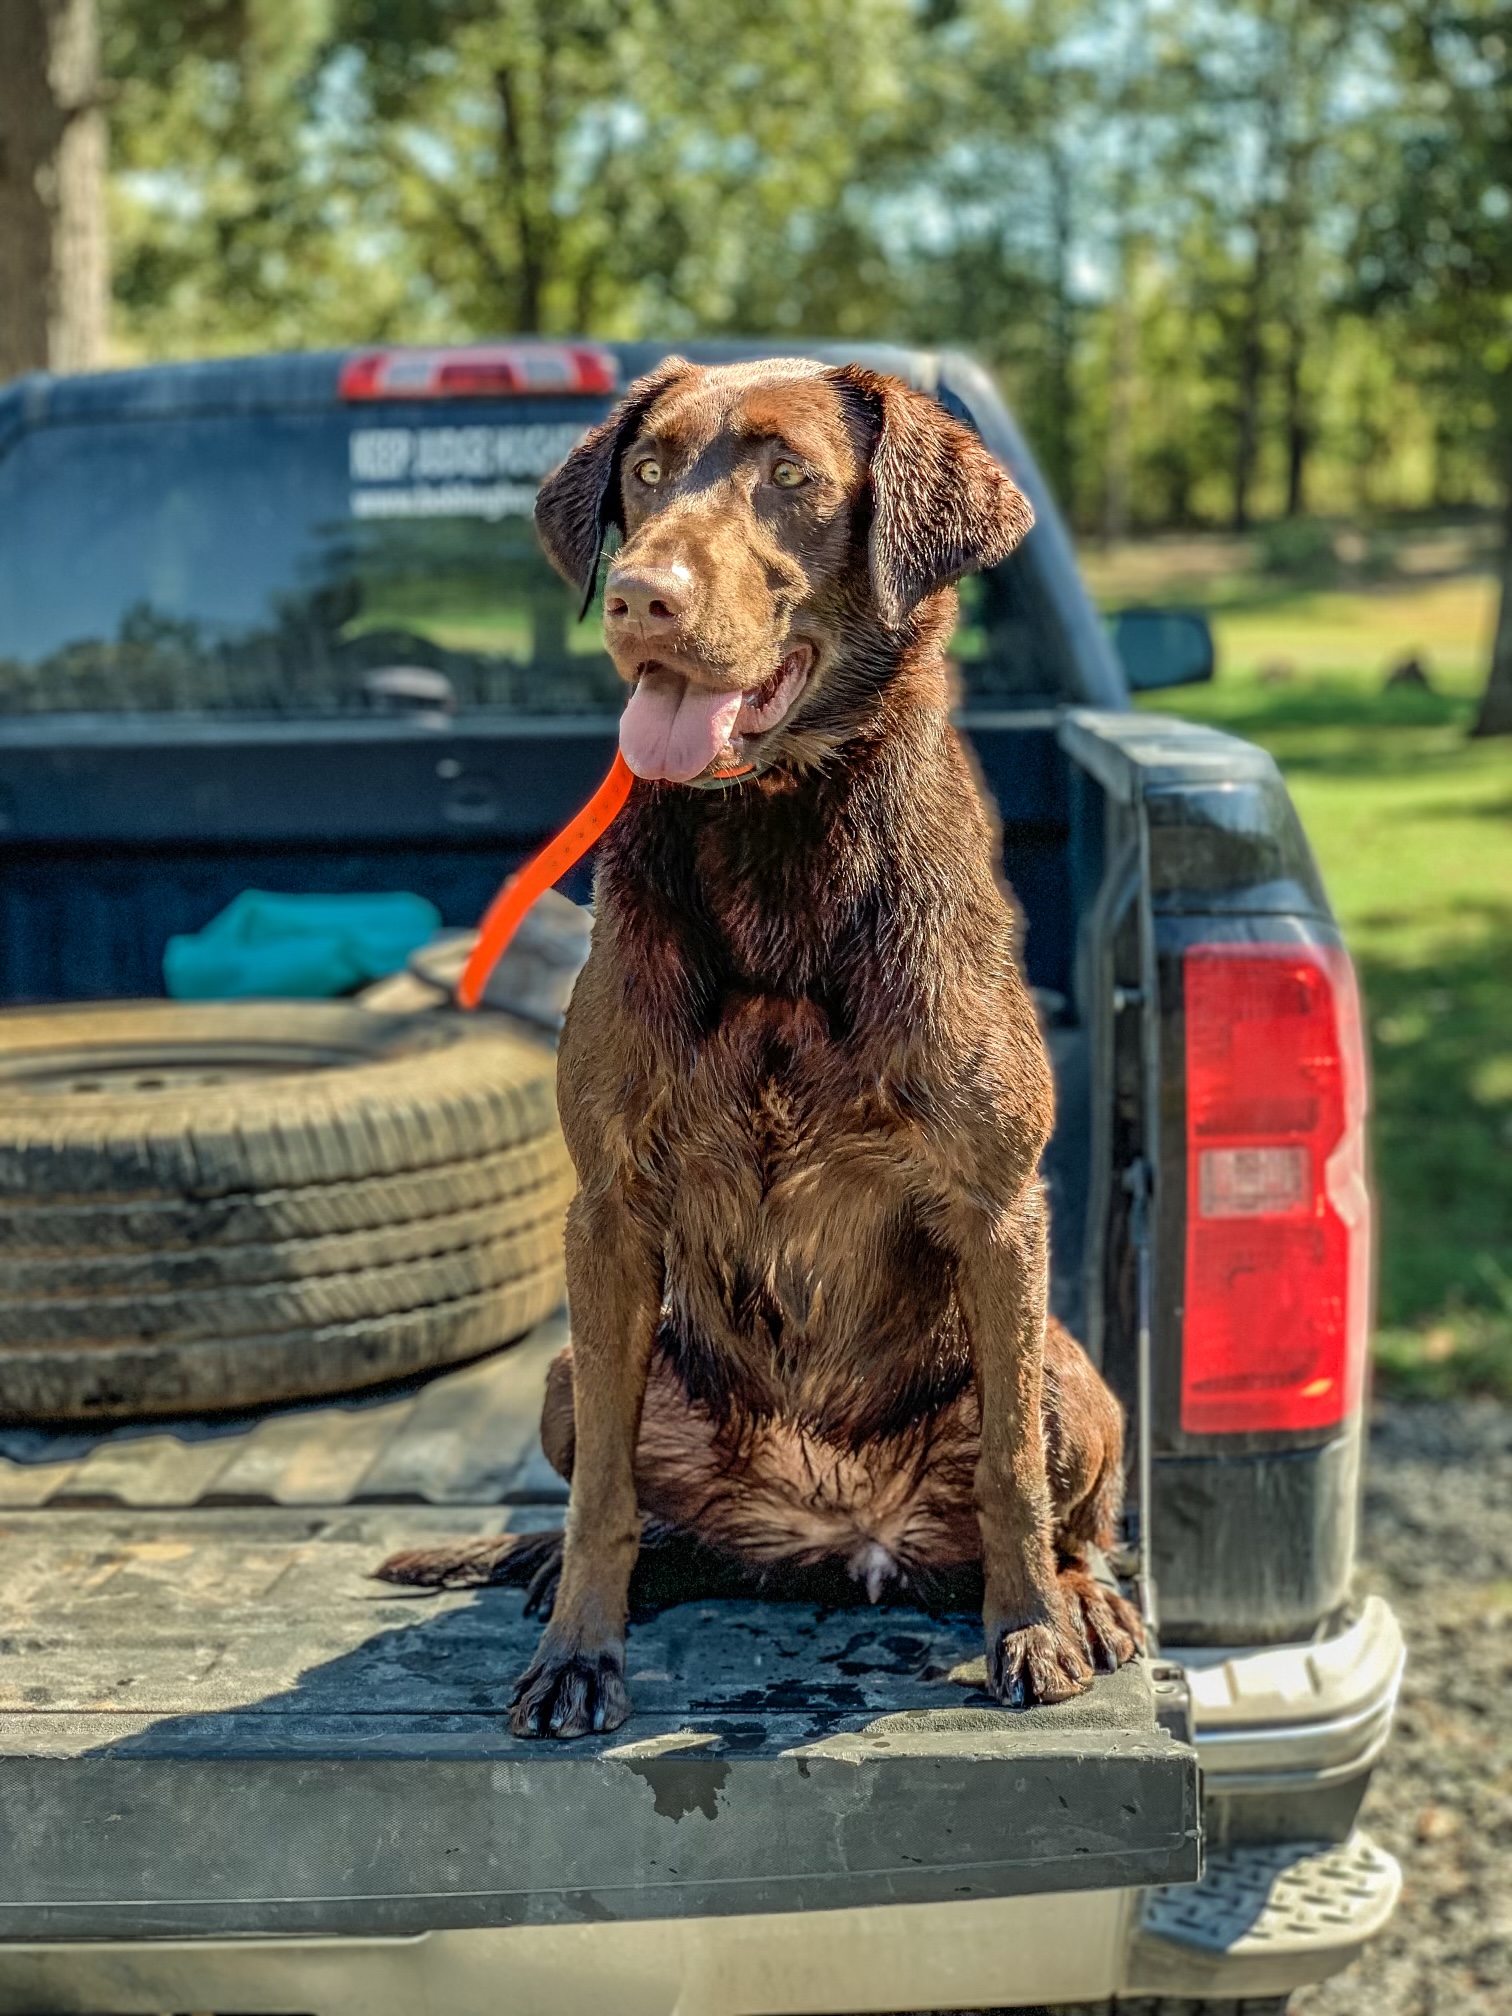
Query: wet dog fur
{"type": "Point", "coordinates": [801, 1078]}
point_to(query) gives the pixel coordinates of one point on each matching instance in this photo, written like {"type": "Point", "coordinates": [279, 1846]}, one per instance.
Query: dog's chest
{"type": "Point", "coordinates": [789, 1159]}
{"type": "Point", "coordinates": [801, 1275]}
{"type": "Point", "coordinates": [784, 1090]}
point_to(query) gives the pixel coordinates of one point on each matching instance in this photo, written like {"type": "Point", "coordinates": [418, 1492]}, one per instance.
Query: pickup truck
{"type": "Point", "coordinates": [282, 623]}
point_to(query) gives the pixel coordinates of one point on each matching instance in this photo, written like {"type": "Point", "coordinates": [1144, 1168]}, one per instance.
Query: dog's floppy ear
{"type": "Point", "coordinates": [941, 504]}
{"type": "Point", "coordinates": [578, 504]}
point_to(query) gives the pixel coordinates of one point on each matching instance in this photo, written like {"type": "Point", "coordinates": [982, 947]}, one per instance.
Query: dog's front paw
{"type": "Point", "coordinates": [1036, 1664]}
{"type": "Point", "coordinates": [570, 1691]}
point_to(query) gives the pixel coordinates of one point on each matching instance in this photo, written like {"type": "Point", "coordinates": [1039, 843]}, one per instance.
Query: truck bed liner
{"type": "Point", "coordinates": [212, 1721]}
{"type": "Point", "coordinates": [466, 1437]}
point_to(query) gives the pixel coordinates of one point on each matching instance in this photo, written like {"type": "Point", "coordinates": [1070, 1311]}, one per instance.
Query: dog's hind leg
{"type": "Point", "coordinates": [1109, 1622]}
{"type": "Point", "coordinates": [672, 1566]}
{"type": "Point", "coordinates": [514, 1558]}
{"type": "Point", "coordinates": [1083, 1445]}
{"type": "Point", "coordinates": [1084, 1451]}
{"type": "Point", "coordinates": [764, 1513]}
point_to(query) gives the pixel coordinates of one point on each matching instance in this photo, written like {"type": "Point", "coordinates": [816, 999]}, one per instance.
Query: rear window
{"type": "Point", "coordinates": [292, 563]}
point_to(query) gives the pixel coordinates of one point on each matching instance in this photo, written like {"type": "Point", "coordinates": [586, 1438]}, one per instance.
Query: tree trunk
{"type": "Point", "coordinates": [1495, 715]}
{"type": "Point", "coordinates": [1058, 454]}
{"type": "Point", "coordinates": [81, 262]}
{"type": "Point", "coordinates": [531, 275]}
{"type": "Point", "coordinates": [1298, 434]}
{"type": "Point", "coordinates": [29, 137]}
{"type": "Point", "coordinates": [1251, 376]}
{"type": "Point", "coordinates": [54, 275]}
{"type": "Point", "coordinates": [1116, 478]}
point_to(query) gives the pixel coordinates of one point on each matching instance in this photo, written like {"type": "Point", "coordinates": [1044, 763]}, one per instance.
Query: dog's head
{"type": "Point", "coordinates": [784, 526]}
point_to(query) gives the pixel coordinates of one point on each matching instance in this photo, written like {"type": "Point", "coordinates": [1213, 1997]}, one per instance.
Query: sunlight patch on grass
{"type": "Point", "coordinates": [1362, 634]}
{"type": "Point", "coordinates": [1492, 1083]}
{"type": "Point", "coordinates": [1436, 601]}
{"type": "Point", "coordinates": [1439, 1361]}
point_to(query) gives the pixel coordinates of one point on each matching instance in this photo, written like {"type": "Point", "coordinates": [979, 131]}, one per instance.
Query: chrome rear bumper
{"type": "Point", "coordinates": [1261, 1922]}
{"type": "Point", "coordinates": [1294, 1716]}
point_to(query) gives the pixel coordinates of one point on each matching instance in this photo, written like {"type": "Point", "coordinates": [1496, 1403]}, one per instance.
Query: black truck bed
{"type": "Point", "coordinates": [212, 1721]}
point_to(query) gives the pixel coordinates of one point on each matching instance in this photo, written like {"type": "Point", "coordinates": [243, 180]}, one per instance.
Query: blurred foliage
{"type": "Point", "coordinates": [1232, 263]}
{"type": "Point", "coordinates": [1434, 249]}
{"type": "Point", "coordinates": [1298, 549]}
{"type": "Point", "coordinates": [296, 171]}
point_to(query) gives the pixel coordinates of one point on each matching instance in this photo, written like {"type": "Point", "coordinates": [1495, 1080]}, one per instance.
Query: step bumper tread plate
{"type": "Point", "coordinates": [1264, 1920]}
{"type": "Point", "coordinates": [215, 1723]}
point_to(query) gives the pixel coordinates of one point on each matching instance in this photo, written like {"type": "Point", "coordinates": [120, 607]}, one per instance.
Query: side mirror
{"type": "Point", "coordinates": [1163, 647]}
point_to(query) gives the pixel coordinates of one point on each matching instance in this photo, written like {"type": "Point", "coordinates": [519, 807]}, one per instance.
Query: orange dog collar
{"type": "Point", "coordinates": [507, 911]}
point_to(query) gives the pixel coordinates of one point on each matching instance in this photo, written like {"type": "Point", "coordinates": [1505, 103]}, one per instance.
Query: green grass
{"type": "Point", "coordinates": [1412, 825]}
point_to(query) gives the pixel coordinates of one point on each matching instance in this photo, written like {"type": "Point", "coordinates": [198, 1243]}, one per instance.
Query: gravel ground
{"type": "Point", "coordinates": [1438, 1544]}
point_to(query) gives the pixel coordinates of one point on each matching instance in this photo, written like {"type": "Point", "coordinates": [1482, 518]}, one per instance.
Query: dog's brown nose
{"type": "Point", "coordinates": [654, 597]}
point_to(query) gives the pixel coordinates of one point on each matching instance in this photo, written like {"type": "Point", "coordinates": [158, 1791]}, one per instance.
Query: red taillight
{"type": "Point", "coordinates": [479, 371]}
{"type": "Point", "coordinates": [1278, 1214]}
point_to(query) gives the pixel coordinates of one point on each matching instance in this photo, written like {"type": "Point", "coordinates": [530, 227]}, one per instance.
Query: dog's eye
{"type": "Point", "coordinates": [788, 473]}
{"type": "Point", "coordinates": [649, 472]}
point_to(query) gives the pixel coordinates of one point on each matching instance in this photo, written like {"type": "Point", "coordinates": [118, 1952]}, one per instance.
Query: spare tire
{"type": "Point", "coordinates": [217, 1205]}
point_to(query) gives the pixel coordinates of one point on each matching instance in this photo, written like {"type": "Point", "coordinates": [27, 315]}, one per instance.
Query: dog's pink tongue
{"type": "Point", "coordinates": [674, 729]}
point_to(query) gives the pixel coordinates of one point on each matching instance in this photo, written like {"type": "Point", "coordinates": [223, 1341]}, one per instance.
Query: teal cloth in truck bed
{"type": "Point", "coordinates": [304, 946]}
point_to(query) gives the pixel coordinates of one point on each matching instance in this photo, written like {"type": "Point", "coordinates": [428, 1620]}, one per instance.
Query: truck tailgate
{"type": "Point", "coordinates": [212, 1722]}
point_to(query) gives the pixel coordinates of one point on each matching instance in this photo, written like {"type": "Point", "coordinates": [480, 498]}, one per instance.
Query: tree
{"type": "Point", "coordinates": [1435, 250]}
{"type": "Point", "coordinates": [1139, 211]}
{"type": "Point", "coordinates": [635, 165]}
{"type": "Point", "coordinates": [54, 276]}
{"type": "Point", "coordinates": [238, 224]}
{"type": "Point", "coordinates": [1265, 151]}
{"type": "Point", "coordinates": [988, 204]}
{"type": "Point", "coordinates": [423, 169]}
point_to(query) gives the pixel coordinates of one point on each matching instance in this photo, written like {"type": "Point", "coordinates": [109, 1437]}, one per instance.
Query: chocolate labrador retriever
{"type": "Point", "coordinates": [802, 1079]}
